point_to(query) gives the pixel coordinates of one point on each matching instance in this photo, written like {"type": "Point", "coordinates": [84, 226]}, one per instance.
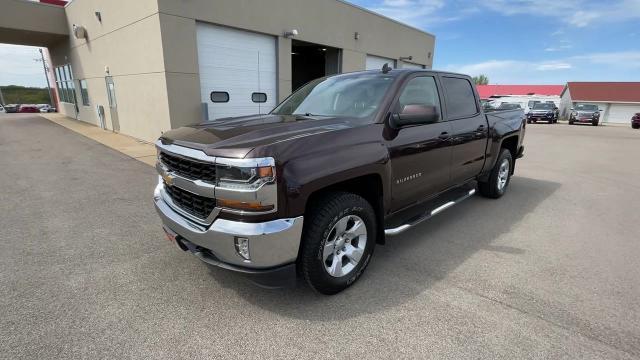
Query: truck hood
{"type": "Point", "coordinates": [236, 137]}
{"type": "Point", "coordinates": [586, 113]}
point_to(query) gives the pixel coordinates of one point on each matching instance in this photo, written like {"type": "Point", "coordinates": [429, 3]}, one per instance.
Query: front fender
{"type": "Point", "coordinates": [315, 171]}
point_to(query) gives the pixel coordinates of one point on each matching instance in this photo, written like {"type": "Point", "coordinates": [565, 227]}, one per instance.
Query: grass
{"type": "Point", "coordinates": [14, 94]}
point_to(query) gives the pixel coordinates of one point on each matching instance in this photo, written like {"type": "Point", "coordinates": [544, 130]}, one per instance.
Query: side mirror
{"type": "Point", "coordinates": [415, 115]}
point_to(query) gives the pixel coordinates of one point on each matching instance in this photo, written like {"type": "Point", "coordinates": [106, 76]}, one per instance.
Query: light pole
{"type": "Point", "coordinates": [46, 75]}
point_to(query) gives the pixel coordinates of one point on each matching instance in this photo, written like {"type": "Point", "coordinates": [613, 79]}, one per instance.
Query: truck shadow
{"type": "Point", "coordinates": [409, 264]}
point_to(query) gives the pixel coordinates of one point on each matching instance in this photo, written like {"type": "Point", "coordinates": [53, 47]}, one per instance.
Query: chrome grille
{"type": "Point", "coordinates": [196, 205]}
{"type": "Point", "coordinates": [190, 169]}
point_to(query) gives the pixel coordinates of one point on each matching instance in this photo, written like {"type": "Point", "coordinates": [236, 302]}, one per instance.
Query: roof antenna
{"type": "Point", "coordinates": [386, 68]}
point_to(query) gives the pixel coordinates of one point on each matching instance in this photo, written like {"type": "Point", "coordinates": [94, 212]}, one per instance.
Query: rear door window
{"type": "Point", "coordinates": [460, 99]}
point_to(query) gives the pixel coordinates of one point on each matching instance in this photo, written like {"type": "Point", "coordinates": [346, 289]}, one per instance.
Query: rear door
{"type": "Point", "coordinates": [420, 155]}
{"type": "Point", "coordinates": [469, 128]}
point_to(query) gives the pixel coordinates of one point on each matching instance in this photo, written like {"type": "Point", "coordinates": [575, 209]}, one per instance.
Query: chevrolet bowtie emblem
{"type": "Point", "coordinates": [168, 179]}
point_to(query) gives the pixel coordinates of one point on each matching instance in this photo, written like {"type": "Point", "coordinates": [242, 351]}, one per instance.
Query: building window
{"type": "Point", "coordinates": [258, 97]}
{"type": "Point", "coordinates": [84, 92]}
{"type": "Point", "coordinates": [64, 83]}
{"type": "Point", "coordinates": [219, 96]}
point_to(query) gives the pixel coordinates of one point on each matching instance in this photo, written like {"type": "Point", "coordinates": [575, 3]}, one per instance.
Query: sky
{"type": "Point", "coordinates": [527, 41]}
{"type": "Point", "coordinates": [510, 41]}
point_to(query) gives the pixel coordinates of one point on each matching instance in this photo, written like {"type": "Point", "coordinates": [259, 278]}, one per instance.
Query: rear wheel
{"type": "Point", "coordinates": [635, 126]}
{"type": "Point", "coordinates": [338, 242]}
{"type": "Point", "coordinates": [570, 122]}
{"type": "Point", "coordinates": [500, 176]}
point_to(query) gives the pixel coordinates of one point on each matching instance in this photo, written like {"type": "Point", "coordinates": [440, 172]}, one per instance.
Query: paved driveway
{"type": "Point", "coordinates": [552, 270]}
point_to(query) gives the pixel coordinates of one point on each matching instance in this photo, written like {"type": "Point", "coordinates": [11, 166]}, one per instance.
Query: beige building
{"type": "Point", "coordinates": [152, 65]}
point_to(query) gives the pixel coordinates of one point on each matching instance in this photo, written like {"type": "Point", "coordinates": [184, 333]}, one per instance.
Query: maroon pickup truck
{"type": "Point", "coordinates": [340, 166]}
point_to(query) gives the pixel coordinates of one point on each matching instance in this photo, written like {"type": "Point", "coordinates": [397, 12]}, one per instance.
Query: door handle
{"type": "Point", "coordinates": [444, 135]}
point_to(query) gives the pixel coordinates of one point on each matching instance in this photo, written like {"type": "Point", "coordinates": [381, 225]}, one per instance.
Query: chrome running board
{"type": "Point", "coordinates": [428, 214]}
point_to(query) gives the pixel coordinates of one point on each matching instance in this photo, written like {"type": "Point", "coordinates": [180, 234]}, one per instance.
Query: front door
{"type": "Point", "coordinates": [469, 129]}
{"type": "Point", "coordinates": [420, 155]}
{"type": "Point", "coordinates": [113, 104]}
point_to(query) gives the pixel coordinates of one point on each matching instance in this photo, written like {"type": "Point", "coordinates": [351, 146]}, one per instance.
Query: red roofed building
{"type": "Point", "coordinates": [487, 91]}
{"type": "Point", "coordinates": [619, 101]}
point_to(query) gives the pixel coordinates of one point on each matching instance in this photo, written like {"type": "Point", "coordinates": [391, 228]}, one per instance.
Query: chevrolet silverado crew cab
{"type": "Point", "coordinates": [339, 166]}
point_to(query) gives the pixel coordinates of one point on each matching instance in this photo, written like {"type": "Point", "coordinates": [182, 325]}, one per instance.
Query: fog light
{"type": "Point", "coordinates": [242, 247]}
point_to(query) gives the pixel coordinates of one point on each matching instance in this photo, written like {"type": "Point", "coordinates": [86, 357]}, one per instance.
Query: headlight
{"type": "Point", "coordinates": [596, 114]}
{"type": "Point", "coordinates": [246, 185]}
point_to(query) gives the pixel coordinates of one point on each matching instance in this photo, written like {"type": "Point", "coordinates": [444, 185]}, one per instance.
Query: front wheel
{"type": "Point", "coordinates": [338, 241]}
{"type": "Point", "coordinates": [500, 176]}
{"type": "Point", "coordinates": [634, 126]}
{"type": "Point", "coordinates": [595, 123]}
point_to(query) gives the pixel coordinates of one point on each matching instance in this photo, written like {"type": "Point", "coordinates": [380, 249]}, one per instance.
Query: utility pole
{"type": "Point", "coordinates": [1, 97]}
{"type": "Point", "coordinates": [46, 75]}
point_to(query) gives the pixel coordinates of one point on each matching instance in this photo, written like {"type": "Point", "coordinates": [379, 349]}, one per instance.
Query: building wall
{"type": "Point", "coordinates": [327, 22]}
{"type": "Point", "coordinates": [565, 104]}
{"type": "Point", "coordinates": [149, 48]}
{"type": "Point", "coordinates": [128, 42]}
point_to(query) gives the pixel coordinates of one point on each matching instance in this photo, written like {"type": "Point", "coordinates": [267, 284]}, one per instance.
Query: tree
{"type": "Point", "coordinates": [481, 79]}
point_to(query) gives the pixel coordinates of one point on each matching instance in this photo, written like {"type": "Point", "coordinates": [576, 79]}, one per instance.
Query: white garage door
{"type": "Point", "coordinates": [240, 64]}
{"type": "Point", "coordinates": [619, 113]}
{"type": "Point", "coordinates": [407, 65]}
{"type": "Point", "coordinates": [377, 62]}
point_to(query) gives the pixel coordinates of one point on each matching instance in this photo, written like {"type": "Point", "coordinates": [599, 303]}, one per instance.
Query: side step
{"type": "Point", "coordinates": [428, 214]}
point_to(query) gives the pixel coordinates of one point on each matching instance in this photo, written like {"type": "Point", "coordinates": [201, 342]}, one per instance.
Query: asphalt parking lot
{"type": "Point", "coordinates": [551, 270]}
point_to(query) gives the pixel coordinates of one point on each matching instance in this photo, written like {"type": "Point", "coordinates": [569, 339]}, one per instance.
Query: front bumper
{"type": "Point", "coordinates": [273, 245]}
{"type": "Point", "coordinates": [584, 119]}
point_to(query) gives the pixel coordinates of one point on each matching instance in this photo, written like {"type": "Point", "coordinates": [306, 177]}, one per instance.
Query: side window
{"type": "Point", "coordinates": [420, 92]}
{"type": "Point", "coordinates": [460, 99]}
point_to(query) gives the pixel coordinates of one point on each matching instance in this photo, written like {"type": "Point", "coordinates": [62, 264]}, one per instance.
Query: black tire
{"type": "Point", "coordinates": [324, 214]}
{"type": "Point", "coordinates": [570, 122]}
{"type": "Point", "coordinates": [528, 121]}
{"type": "Point", "coordinates": [594, 123]}
{"type": "Point", "coordinates": [635, 126]}
{"type": "Point", "coordinates": [490, 188]}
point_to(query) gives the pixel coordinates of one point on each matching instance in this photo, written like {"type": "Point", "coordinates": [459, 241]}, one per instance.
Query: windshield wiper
{"type": "Point", "coordinates": [310, 114]}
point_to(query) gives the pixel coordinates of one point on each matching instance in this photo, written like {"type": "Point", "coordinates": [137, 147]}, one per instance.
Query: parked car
{"type": "Point", "coordinates": [635, 121]}
{"type": "Point", "coordinates": [340, 165]}
{"type": "Point", "coordinates": [543, 112]}
{"type": "Point", "coordinates": [585, 113]}
{"type": "Point", "coordinates": [46, 108]}
{"type": "Point", "coordinates": [509, 106]}
{"type": "Point", "coordinates": [28, 109]}
{"type": "Point", "coordinates": [11, 108]}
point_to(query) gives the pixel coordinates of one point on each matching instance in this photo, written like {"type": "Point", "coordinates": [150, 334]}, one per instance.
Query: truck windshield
{"type": "Point", "coordinates": [585, 107]}
{"type": "Point", "coordinates": [350, 96]}
{"type": "Point", "coordinates": [545, 106]}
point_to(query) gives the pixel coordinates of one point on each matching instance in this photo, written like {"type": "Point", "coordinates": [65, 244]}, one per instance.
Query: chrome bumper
{"type": "Point", "coordinates": [271, 244]}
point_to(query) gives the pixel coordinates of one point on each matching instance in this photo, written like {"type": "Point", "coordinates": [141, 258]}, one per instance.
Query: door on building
{"type": "Point", "coordinates": [237, 71]}
{"type": "Point", "coordinates": [113, 104]}
{"type": "Point", "coordinates": [310, 61]}
{"type": "Point", "coordinates": [377, 62]}
{"type": "Point", "coordinates": [622, 113]}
